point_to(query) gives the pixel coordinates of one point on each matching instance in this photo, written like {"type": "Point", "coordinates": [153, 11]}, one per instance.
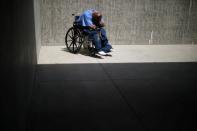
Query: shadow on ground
{"type": "Point", "coordinates": [107, 97]}
{"type": "Point", "coordinates": [87, 53]}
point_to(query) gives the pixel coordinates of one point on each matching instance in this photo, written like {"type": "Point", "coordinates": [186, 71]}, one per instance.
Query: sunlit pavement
{"type": "Point", "coordinates": [121, 54]}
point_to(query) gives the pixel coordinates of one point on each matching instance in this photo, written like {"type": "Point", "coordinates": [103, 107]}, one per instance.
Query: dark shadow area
{"type": "Point", "coordinates": [107, 97]}
{"type": "Point", "coordinates": [18, 63]}
{"type": "Point", "coordinates": [87, 53]}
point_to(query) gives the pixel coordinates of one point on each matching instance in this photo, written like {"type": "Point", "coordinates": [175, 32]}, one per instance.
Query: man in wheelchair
{"type": "Point", "coordinates": [93, 20]}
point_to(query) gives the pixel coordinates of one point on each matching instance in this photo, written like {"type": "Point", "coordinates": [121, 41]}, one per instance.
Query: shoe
{"type": "Point", "coordinates": [111, 50]}
{"type": "Point", "coordinates": [101, 53]}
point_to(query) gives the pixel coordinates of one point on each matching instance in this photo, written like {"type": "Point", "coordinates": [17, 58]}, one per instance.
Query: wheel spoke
{"type": "Point", "coordinates": [69, 40]}
{"type": "Point", "coordinates": [81, 40]}
{"type": "Point", "coordinates": [73, 47]}
{"type": "Point", "coordinates": [70, 36]}
{"type": "Point", "coordinates": [70, 44]}
{"type": "Point", "coordinates": [77, 40]}
{"type": "Point", "coordinates": [76, 45]}
{"type": "Point", "coordinates": [72, 31]}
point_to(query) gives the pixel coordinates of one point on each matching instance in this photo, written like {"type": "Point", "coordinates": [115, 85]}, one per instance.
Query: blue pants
{"type": "Point", "coordinates": [99, 39]}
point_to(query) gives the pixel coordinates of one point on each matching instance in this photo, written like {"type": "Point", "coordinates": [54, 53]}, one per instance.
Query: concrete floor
{"type": "Point", "coordinates": [116, 93]}
{"type": "Point", "coordinates": [122, 54]}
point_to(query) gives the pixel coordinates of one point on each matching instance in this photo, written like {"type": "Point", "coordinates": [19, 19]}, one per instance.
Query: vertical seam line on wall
{"type": "Point", "coordinates": [189, 14]}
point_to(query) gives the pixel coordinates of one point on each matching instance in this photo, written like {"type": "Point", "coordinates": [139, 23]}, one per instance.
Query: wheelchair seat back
{"type": "Point", "coordinates": [77, 18]}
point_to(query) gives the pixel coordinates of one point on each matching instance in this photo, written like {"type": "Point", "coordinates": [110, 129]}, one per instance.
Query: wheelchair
{"type": "Point", "coordinates": [76, 38]}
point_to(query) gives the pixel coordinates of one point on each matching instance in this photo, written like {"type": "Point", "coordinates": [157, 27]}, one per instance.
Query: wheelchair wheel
{"type": "Point", "coordinates": [73, 40]}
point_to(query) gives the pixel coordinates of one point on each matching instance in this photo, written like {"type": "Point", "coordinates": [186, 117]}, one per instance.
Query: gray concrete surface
{"type": "Point", "coordinates": [115, 96]}
{"type": "Point", "coordinates": [122, 54]}
{"type": "Point", "coordinates": [127, 21]}
{"type": "Point", "coordinates": [37, 19]}
{"type": "Point", "coordinates": [18, 63]}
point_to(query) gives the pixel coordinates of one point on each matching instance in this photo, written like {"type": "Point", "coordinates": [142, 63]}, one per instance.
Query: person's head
{"type": "Point", "coordinates": [96, 16]}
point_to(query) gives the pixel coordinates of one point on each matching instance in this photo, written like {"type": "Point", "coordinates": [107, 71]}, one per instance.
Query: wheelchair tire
{"type": "Point", "coordinates": [73, 40]}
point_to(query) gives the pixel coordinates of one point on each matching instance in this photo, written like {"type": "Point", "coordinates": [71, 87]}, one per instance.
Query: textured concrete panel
{"type": "Point", "coordinates": [18, 60]}
{"type": "Point", "coordinates": [37, 25]}
{"type": "Point", "coordinates": [127, 21]}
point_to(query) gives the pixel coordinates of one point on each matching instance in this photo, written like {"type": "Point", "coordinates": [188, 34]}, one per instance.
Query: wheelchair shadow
{"type": "Point", "coordinates": [65, 49]}
{"type": "Point", "coordinates": [85, 52]}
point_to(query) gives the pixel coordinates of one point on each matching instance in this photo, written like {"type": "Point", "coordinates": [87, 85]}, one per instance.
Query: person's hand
{"type": "Point", "coordinates": [102, 24]}
{"type": "Point", "coordinates": [93, 27]}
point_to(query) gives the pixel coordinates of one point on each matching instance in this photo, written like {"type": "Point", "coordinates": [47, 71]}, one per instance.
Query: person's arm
{"type": "Point", "coordinates": [88, 22]}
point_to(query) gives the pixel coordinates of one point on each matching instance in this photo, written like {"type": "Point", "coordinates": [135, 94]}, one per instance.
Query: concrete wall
{"type": "Point", "coordinates": [128, 21]}
{"type": "Point", "coordinates": [37, 25]}
{"type": "Point", "coordinates": [18, 62]}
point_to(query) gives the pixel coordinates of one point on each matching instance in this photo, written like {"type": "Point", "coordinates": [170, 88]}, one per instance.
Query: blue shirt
{"type": "Point", "coordinates": [85, 18]}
